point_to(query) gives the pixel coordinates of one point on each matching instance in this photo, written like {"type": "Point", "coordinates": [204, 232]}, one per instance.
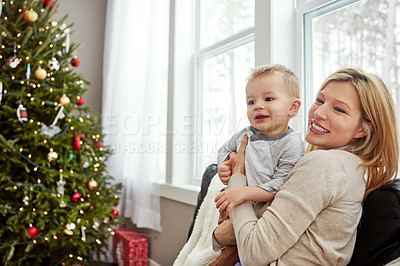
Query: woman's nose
{"type": "Point", "coordinates": [320, 112]}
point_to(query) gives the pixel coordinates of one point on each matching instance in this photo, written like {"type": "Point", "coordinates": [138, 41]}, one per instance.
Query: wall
{"type": "Point", "coordinates": [88, 17]}
{"type": "Point", "coordinates": [175, 221]}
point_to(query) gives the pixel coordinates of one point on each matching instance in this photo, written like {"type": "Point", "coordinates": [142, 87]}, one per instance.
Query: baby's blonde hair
{"type": "Point", "coordinates": [379, 149]}
{"type": "Point", "coordinates": [289, 78]}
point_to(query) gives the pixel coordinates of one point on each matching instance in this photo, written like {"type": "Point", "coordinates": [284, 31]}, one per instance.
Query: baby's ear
{"type": "Point", "coordinates": [294, 108]}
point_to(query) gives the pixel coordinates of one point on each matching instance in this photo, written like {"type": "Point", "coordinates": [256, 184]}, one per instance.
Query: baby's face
{"type": "Point", "coordinates": [268, 104]}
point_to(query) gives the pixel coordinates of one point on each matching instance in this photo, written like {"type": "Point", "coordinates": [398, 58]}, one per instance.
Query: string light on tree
{"type": "Point", "coordinates": [26, 200]}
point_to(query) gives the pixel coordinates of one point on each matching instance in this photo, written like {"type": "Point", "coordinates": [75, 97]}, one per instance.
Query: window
{"type": "Point", "coordinates": [362, 34]}
{"type": "Point", "coordinates": [224, 54]}
{"type": "Point", "coordinates": [213, 44]}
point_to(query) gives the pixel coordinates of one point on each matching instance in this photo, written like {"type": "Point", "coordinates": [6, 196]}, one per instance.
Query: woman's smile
{"type": "Point", "coordinates": [317, 128]}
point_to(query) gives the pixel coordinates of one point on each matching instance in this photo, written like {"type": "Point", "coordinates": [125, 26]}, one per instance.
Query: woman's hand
{"type": "Point", "coordinates": [238, 165]}
{"type": "Point", "coordinates": [224, 233]}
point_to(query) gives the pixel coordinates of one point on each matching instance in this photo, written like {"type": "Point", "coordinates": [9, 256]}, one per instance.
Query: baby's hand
{"type": "Point", "coordinates": [226, 200]}
{"type": "Point", "coordinates": [224, 171]}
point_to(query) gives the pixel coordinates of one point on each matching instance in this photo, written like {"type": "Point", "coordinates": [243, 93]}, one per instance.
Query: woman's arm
{"type": "Point", "coordinates": [315, 183]}
{"type": "Point", "coordinates": [222, 235]}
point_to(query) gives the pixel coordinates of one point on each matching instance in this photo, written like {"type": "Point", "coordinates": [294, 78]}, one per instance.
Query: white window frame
{"type": "Point", "coordinates": [200, 55]}
{"type": "Point", "coordinates": [305, 12]}
{"type": "Point", "coordinates": [274, 43]}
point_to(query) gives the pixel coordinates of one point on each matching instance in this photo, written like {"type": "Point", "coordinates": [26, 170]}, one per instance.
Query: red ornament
{"type": "Point", "coordinates": [76, 143]}
{"type": "Point", "coordinates": [114, 212]}
{"type": "Point", "coordinates": [80, 101]}
{"type": "Point", "coordinates": [33, 231]}
{"type": "Point", "coordinates": [24, 15]}
{"type": "Point", "coordinates": [99, 144]}
{"type": "Point", "coordinates": [75, 61]}
{"type": "Point", "coordinates": [23, 114]}
{"type": "Point", "coordinates": [76, 196]}
{"type": "Point", "coordinates": [48, 2]}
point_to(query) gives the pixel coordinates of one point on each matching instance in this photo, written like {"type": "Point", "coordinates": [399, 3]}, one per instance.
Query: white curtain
{"type": "Point", "coordinates": [135, 57]}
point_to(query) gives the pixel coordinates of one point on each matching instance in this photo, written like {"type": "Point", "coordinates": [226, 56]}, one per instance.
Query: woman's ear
{"type": "Point", "coordinates": [294, 108]}
{"type": "Point", "coordinates": [362, 132]}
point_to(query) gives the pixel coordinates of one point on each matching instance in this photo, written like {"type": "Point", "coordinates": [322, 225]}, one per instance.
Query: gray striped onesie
{"type": "Point", "coordinates": [268, 159]}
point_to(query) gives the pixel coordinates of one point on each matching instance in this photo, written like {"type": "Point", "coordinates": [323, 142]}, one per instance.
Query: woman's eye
{"type": "Point", "coordinates": [250, 102]}
{"type": "Point", "coordinates": [340, 110]}
{"type": "Point", "coordinates": [268, 99]}
{"type": "Point", "coordinates": [319, 100]}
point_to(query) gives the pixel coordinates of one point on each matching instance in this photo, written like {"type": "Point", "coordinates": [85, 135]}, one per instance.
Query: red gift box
{"type": "Point", "coordinates": [130, 248]}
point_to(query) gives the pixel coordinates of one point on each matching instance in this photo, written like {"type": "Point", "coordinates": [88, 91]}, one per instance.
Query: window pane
{"type": "Point", "coordinates": [223, 106]}
{"type": "Point", "coordinates": [349, 37]}
{"type": "Point", "coordinates": [220, 19]}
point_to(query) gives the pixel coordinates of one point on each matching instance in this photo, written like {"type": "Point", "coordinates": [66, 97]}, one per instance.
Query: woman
{"type": "Point", "coordinates": [313, 219]}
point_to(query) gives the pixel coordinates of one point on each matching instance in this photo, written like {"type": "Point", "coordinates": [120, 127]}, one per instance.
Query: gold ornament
{"type": "Point", "coordinates": [31, 15]}
{"type": "Point", "coordinates": [40, 73]}
{"type": "Point", "coordinates": [92, 184]}
{"type": "Point", "coordinates": [64, 100]}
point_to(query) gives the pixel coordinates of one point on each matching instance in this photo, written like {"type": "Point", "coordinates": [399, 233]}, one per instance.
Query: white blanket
{"type": "Point", "coordinates": [198, 250]}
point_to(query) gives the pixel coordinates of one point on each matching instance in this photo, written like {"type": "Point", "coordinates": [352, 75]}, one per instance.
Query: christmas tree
{"type": "Point", "coordinates": [56, 199]}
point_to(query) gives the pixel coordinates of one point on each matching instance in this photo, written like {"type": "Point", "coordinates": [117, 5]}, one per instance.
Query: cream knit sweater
{"type": "Point", "coordinates": [313, 218]}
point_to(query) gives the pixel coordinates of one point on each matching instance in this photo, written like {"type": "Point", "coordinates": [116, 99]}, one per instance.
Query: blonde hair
{"type": "Point", "coordinates": [379, 149]}
{"type": "Point", "coordinates": [289, 78]}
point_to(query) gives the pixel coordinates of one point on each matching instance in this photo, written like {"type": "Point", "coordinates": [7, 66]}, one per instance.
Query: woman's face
{"type": "Point", "coordinates": [334, 118]}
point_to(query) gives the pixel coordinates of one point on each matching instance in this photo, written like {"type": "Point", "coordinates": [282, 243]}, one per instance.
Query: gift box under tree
{"type": "Point", "coordinates": [130, 248]}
